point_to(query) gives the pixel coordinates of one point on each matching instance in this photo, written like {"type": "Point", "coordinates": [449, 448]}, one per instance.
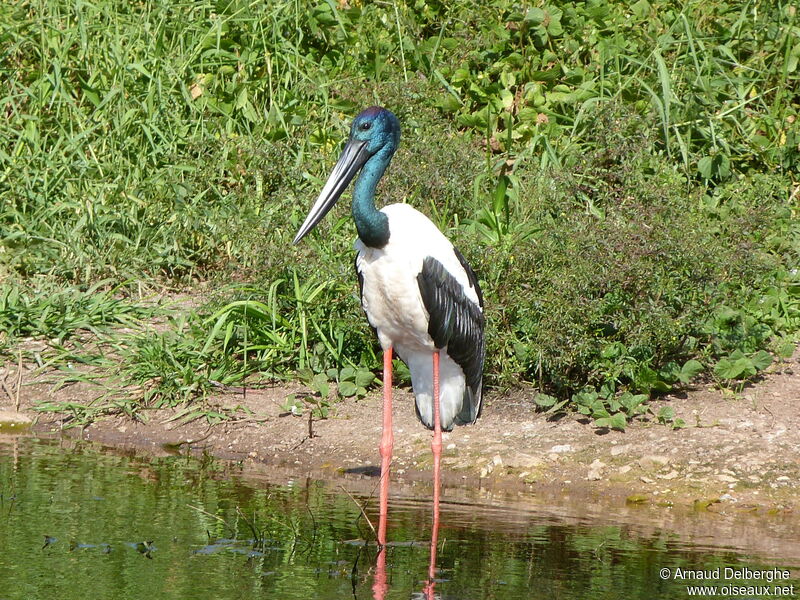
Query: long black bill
{"type": "Point", "coordinates": [353, 157]}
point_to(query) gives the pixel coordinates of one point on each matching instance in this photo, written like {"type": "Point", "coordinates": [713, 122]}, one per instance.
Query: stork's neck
{"type": "Point", "coordinates": [372, 224]}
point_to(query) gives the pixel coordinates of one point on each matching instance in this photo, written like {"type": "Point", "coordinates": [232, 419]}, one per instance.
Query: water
{"type": "Point", "coordinates": [76, 522]}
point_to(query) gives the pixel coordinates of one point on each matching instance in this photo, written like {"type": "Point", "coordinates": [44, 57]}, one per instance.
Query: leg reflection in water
{"type": "Point", "coordinates": [428, 589]}
{"type": "Point", "coordinates": [380, 586]}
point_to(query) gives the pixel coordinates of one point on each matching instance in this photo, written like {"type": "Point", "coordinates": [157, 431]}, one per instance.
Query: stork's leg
{"type": "Point", "coordinates": [436, 446]}
{"type": "Point", "coordinates": [379, 584]}
{"type": "Point", "coordinates": [387, 441]}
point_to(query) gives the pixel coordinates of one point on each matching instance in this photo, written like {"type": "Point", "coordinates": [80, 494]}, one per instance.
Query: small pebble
{"type": "Point", "coordinates": [560, 448]}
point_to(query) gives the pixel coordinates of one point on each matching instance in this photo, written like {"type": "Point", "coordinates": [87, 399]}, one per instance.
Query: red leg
{"type": "Point", "coordinates": [436, 446]}
{"type": "Point", "coordinates": [379, 585]}
{"type": "Point", "coordinates": [387, 442]}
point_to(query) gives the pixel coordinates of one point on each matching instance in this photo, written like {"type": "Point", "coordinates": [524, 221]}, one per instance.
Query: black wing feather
{"type": "Point", "coordinates": [360, 280]}
{"type": "Point", "coordinates": [457, 323]}
{"type": "Point", "coordinates": [473, 279]}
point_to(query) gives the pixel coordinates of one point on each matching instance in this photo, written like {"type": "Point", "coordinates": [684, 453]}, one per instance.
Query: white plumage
{"type": "Point", "coordinates": [394, 306]}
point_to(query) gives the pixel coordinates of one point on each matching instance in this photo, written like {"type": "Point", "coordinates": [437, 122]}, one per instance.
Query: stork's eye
{"type": "Point", "coordinates": [365, 126]}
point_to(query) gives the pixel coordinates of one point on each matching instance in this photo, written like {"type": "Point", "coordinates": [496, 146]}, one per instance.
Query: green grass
{"type": "Point", "coordinates": [622, 176]}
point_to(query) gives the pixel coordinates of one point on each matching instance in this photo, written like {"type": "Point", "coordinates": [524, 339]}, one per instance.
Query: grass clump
{"type": "Point", "coordinates": [620, 175]}
{"type": "Point", "coordinates": [59, 313]}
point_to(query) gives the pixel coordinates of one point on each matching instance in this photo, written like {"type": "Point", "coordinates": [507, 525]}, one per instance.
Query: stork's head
{"type": "Point", "coordinates": [374, 136]}
{"type": "Point", "coordinates": [378, 128]}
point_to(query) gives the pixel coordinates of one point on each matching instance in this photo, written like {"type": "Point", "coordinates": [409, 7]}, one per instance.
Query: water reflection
{"type": "Point", "coordinates": [380, 585]}
{"type": "Point", "coordinates": [71, 515]}
{"type": "Point", "coordinates": [431, 584]}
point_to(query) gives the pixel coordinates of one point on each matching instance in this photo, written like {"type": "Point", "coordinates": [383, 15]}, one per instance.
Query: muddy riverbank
{"type": "Point", "coordinates": [737, 452]}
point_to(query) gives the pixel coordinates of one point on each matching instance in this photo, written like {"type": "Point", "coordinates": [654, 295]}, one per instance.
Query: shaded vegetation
{"type": "Point", "coordinates": [620, 175]}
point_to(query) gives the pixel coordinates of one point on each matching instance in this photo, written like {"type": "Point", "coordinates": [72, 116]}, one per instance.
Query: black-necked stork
{"type": "Point", "coordinates": [418, 291]}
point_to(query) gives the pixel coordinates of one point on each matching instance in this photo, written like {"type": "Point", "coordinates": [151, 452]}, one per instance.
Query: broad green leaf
{"type": "Point", "coordinates": [347, 389]}
{"type": "Point", "coordinates": [320, 384]}
{"type": "Point", "coordinates": [705, 167]}
{"type": "Point", "coordinates": [746, 366]}
{"type": "Point", "coordinates": [665, 413]}
{"type": "Point", "coordinates": [364, 378]}
{"type": "Point", "coordinates": [535, 16]}
{"type": "Point", "coordinates": [618, 421]}
{"type": "Point", "coordinates": [647, 379]}
{"type": "Point", "coordinates": [553, 21]}
{"type": "Point", "coordinates": [305, 375]}
{"type": "Point", "coordinates": [785, 349]}
{"type": "Point", "coordinates": [689, 370]}
{"type": "Point", "coordinates": [761, 360]}
{"type": "Point", "coordinates": [734, 368]}
{"type": "Point", "coordinates": [547, 76]}
{"type": "Point", "coordinates": [544, 400]}
{"type": "Point", "coordinates": [631, 401]}
{"type": "Point", "coordinates": [641, 9]}
{"type": "Point", "coordinates": [669, 372]}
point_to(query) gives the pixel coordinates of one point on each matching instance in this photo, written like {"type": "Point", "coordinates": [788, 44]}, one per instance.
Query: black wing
{"type": "Point", "coordinates": [457, 323]}
{"type": "Point", "coordinates": [360, 280]}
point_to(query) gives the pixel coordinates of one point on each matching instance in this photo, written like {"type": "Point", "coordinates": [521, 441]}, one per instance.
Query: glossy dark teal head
{"type": "Point", "coordinates": [379, 128]}
{"type": "Point", "coordinates": [374, 136]}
